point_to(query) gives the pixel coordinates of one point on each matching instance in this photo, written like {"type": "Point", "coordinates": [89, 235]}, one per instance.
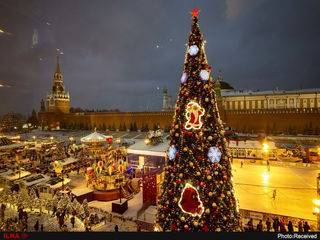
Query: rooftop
{"type": "Point", "coordinates": [269, 92]}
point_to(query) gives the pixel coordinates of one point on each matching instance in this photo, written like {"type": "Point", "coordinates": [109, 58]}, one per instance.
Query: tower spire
{"type": "Point", "coordinates": [58, 63]}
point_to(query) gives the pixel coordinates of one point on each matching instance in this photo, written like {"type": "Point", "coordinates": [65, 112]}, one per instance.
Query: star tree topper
{"type": "Point", "coordinates": [195, 12]}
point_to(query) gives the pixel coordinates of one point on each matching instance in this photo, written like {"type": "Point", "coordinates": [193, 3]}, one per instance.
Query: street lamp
{"type": "Point", "coordinates": [265, 147]}
{"type": "Point", "coordinates": [265, 150]}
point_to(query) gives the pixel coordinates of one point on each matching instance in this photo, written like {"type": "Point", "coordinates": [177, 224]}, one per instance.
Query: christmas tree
{"type": "Point", "coordinates": [197, 192]}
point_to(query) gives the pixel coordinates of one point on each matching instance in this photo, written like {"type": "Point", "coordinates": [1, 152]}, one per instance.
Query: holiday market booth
{"type": "Point", "coordinates": [148, 154]}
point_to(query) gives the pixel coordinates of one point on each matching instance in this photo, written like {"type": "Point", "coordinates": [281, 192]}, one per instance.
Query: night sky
{"type": "Point", "coordinates": [120, 54]}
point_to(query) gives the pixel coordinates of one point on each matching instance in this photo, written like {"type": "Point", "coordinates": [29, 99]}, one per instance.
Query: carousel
{"type": "Point", "coordinates": [108, 173]}
{"type": "Point", "coordinates": [95, 143]}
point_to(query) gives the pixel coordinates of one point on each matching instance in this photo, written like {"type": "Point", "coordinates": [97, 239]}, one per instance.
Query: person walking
{"type": "Point", "coordinates": [116, 228]}
{"type": "Point", "coordinates": [274, 194]}
{"type": "Point", "coordinates": [72, 220]}
{"type": "Point", "coordinates": [241, 163]}
{"type": "Point", "coordinates": [300, 226]}
{"type": "Point", "coordinates": [250, 225]}
{"type": "Point", "coordinates": [275, 225]}
{"type": "Point", "coordinates": [290, 227]}
{"type": "Point", "coordinates": [41, 228]}
{"type": "Point", "coordinates": [36, 226]}
{"type": "Point", "coordinates": [282, 226]}
{"type": "Point", "coordinates": [306, 227]}
{"type": "Point", "coordinates": [259, 226]}
{"type": "Point", "coordinates": [268, 225]}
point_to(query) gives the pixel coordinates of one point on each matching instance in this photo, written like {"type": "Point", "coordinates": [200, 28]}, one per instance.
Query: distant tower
{"type": "Point", "coordinates": [42, 106]}
{"type": "Point", "coordinates": [217, 85]}
{"type": "Point", "coordinates": [165, 100]}
{"type": "Point", "coordinates": [58, 100]}
{"type": "Point", "coordinates": [217, 90]}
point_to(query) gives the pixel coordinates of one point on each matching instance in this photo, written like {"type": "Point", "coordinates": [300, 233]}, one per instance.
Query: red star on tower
{"type": "Point", "coordinates": [195, 12]}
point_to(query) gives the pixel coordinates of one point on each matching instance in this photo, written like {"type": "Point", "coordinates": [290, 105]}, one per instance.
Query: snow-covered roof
{"type": "Point", "coordinates": [16, 175]}
{"type": "Point", "coordinates": [94, 137]}
{"type": "Point", "coordinates": [67, 161]}
{"type": "Point", "coordinates": [35, 179]}
{"type": "Point", "coordinates": [140, 147]}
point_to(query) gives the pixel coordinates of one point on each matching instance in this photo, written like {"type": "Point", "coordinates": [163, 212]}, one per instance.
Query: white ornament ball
{"type": "Point", "coordinates": [204, 74]}
{"type": "Point", "coordinates": [214, 154]}
{"type": "Point", "coordinates": [172, 152]}
{"type": "Point", "coordinates": [184, 77]}
{"type": "Point", "coordinates": [193, 50]}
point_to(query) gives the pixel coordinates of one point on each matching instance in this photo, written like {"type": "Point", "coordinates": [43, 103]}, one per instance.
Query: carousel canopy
{"type": "Point", "coordinates": [94, 137]}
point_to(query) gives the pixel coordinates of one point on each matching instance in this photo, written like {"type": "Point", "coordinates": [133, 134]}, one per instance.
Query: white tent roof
{"type": "Point", "coordinates": [152, 150]}
{"type": "Point", "coordinates": [94, 137]}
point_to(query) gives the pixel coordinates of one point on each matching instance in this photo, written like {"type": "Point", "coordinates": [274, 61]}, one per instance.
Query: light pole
{"type": "Point", "coordinates": [265, 150]}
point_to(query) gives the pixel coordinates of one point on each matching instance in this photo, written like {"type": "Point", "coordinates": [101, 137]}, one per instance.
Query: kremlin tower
{"type": "Point", "coordinates": [58, 100]}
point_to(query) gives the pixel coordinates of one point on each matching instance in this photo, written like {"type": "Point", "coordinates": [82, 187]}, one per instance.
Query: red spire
{"type": "Point", "coordinates": [195, 12]}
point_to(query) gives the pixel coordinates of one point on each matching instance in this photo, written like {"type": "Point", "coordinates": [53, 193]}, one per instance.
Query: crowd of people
{"type": "Point", "coordinates": [277, 225]}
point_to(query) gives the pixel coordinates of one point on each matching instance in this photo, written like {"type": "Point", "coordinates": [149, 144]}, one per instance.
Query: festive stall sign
{"type": "Point", "coordinates": [214, 154]}
{"type": "Point", "coordinates": [194, 112]}
{"type": "Point", "coordinates": [190, 202]}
